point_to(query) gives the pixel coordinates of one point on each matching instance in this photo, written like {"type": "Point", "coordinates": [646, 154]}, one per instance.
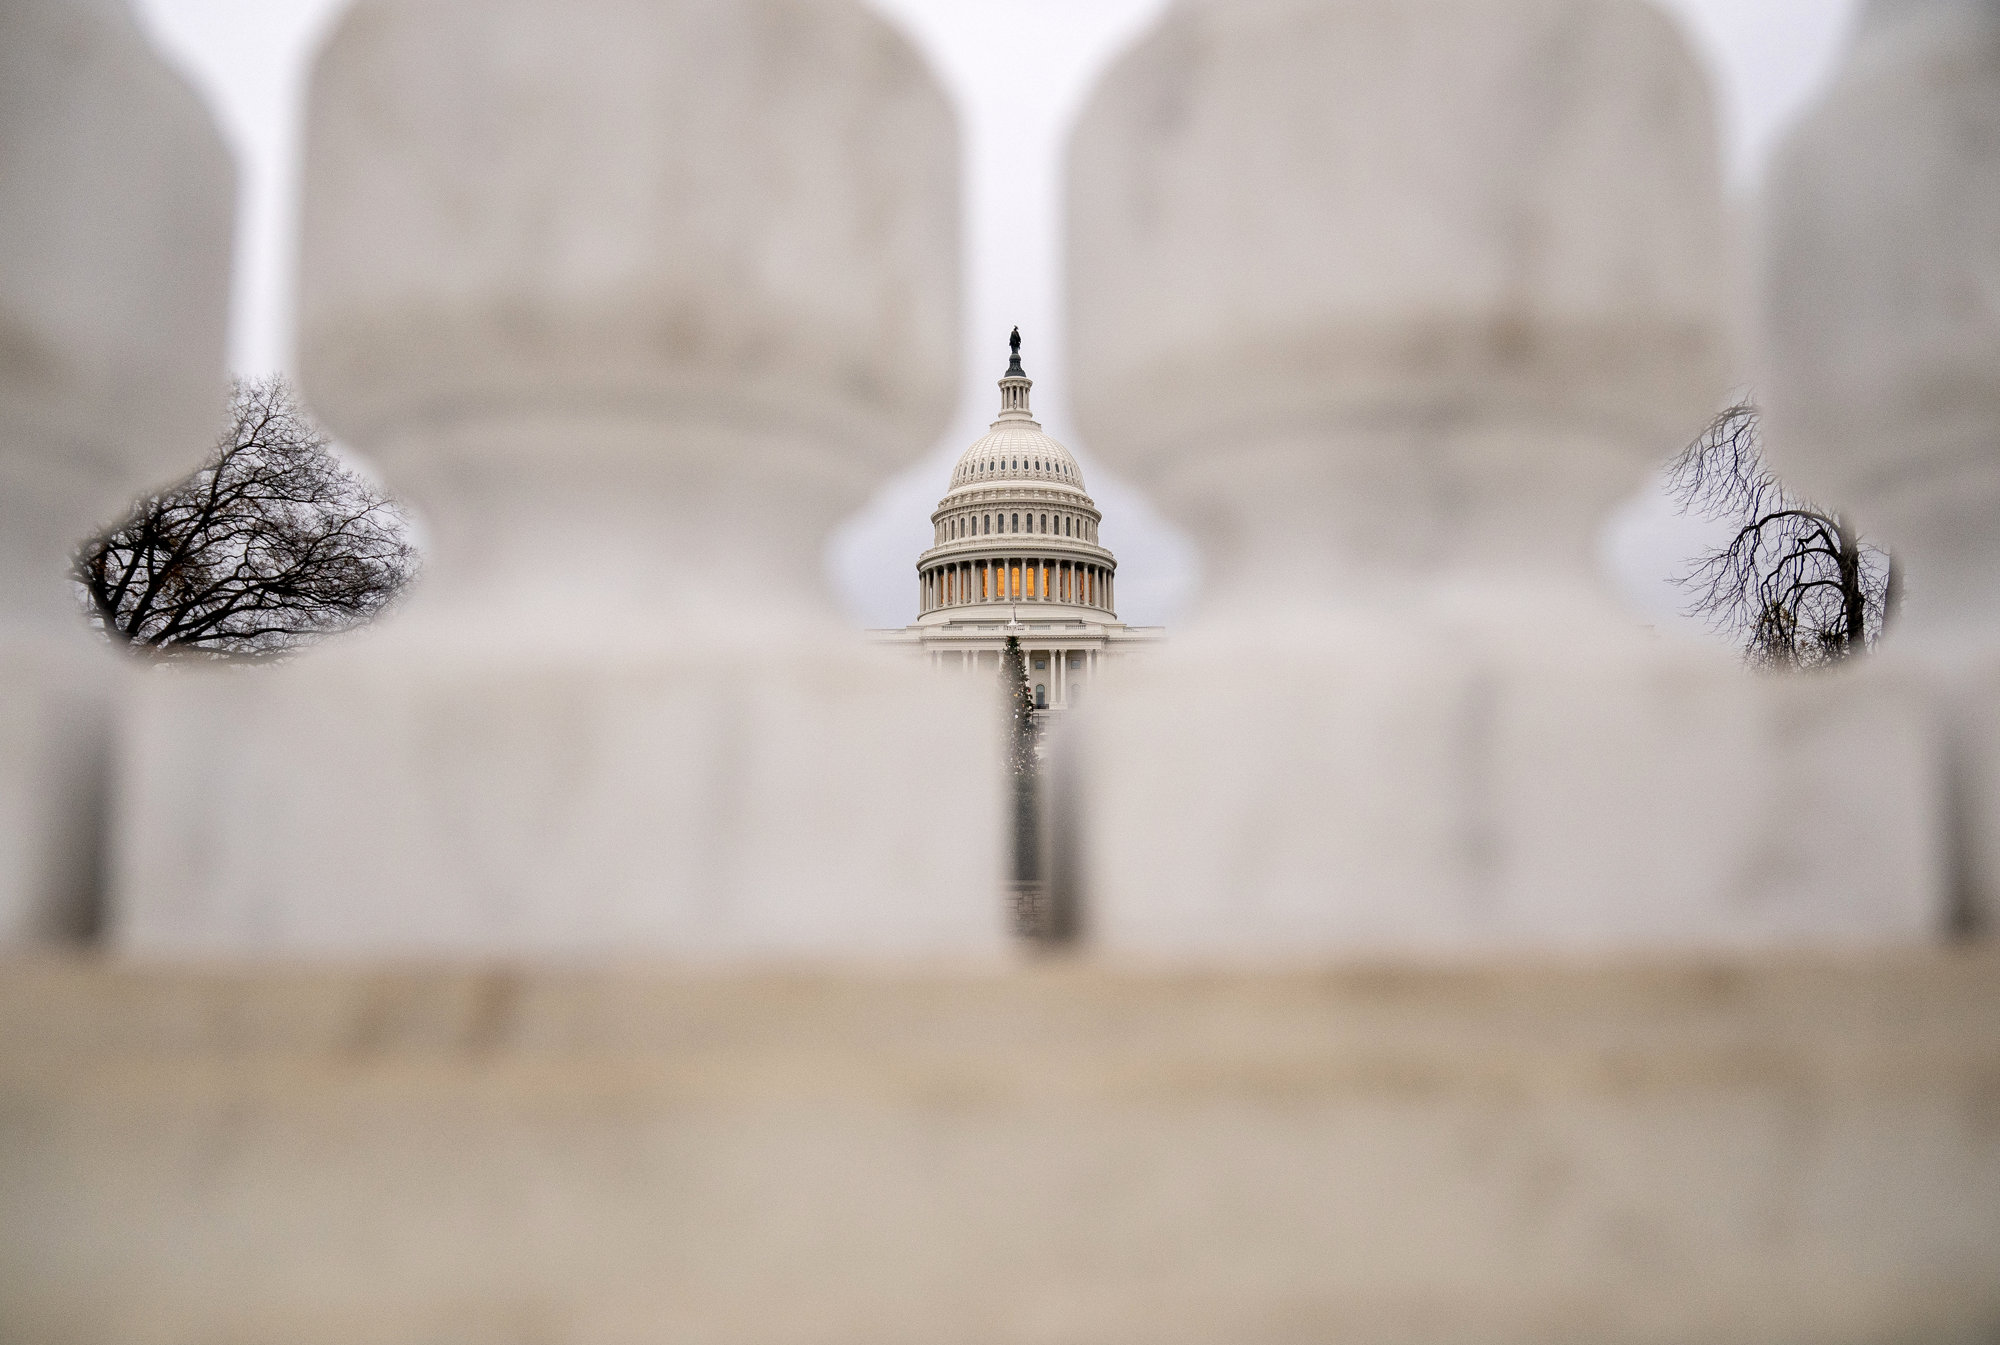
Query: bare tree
{"type": "Point", "coordinates": [1795, 585]}
{"type": "Point", "coordinates": [1024, 772]}
{"type": "Point", "coordinates": [273, 543]}
{"type": "Point", "coordinates": [1023, 732]}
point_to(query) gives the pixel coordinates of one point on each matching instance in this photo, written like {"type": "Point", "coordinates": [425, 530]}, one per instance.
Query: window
{"type": "Point", "coordinates": [1041, 696]}
{"type": "Point", "coordinates": [1045, 522]}
{"type": "Point", "coordinates": [1017, 523]}
{"type": "Point", "coordinates": [989, 522]}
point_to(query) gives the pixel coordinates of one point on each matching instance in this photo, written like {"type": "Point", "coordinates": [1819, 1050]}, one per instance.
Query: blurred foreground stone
{"type": "Point", "coordinates": [116, 200]}
{"type": "Point", "coordinates": [1449, 279]}
{"type": "Point", "coordinates": [634, 301]}
{"type": "Point", "coordinates": [1881, 320]}
{"type": "Point", "coordinates": [1762, 1153]}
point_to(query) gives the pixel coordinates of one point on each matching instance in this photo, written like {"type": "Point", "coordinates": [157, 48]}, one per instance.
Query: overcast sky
{"type": "Point", "coordinates": [1018, 71]}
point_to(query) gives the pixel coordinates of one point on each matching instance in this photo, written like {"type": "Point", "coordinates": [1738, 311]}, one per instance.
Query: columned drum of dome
{"type": "Point", "coordinates": [1015, 550]}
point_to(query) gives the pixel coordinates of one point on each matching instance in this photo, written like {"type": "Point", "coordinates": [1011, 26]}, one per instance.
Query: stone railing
{"type": "Point", "coordinates": [633, 301]}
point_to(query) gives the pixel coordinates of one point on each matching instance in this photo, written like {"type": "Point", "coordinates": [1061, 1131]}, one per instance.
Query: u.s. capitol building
{"type": "Point", "coordinates": [1015, 551]}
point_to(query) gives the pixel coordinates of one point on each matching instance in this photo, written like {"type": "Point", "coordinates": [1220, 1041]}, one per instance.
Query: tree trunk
{"type": "Point", "coordinates": [1854, 635]}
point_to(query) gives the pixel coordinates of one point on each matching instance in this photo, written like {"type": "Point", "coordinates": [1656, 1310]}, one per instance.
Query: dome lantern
{"type": "Point", "coordinates": [1015, 384]}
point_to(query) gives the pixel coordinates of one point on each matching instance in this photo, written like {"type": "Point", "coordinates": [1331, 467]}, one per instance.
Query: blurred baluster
{"type": "Point", "coordinates": [116, 199]}
{"type": "Point", "coordinates": [634, 301]}
{"type": "Point", "coordinates": [1391, 303]}
{"type": "Point", "coordinates": [1881, 317]}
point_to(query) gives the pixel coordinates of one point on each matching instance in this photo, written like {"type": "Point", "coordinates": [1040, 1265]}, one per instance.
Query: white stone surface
{"type": "Point", "coordinates": [1448, 278]}
{"type": "Point", "coordinates": [1882, 356]}
{"type": "Point", "coordinates": [634, 301]}
{"type": "Point", "coordinates": [1730, 1152]}
{"type": "Point", "coordinates": [115, 209]}
{"type": "Point", "coordinates": [1372, 786]}
{"type": "Point", "coordinates": [729, 229]}
{"type": "Point", "coordinates": [703, 801]}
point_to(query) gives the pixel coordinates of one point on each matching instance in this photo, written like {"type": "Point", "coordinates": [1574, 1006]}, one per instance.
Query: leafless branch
{"type": "Point", "coordinates": [1795, 585]}
{"type": "Point", "coordinates": [271, 544]}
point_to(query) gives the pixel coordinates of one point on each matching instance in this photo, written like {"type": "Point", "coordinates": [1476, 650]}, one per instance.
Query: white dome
{"type": "Point", "coordinates": [1016, 450]}
{"type": "Point", "coordinates": [1015, 525]}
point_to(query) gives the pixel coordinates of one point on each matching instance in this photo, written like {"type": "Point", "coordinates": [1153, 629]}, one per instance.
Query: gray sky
{"type": "Point", "coordinates": [1018, 71]}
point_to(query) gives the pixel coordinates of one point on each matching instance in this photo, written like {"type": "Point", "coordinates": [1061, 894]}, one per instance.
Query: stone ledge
{"type": "Point", "coordinates": [1764, 1151]}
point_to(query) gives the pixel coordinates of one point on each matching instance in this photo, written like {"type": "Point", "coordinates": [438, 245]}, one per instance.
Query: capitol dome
{"type": "Point", "coordinates": [1015, 561]}
{"type": "Point", "coordinates": [1015, 526]}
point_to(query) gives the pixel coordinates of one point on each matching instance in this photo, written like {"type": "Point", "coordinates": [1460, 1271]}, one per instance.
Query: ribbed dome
{"type": "Point", "coordinates": [1016, 450]}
